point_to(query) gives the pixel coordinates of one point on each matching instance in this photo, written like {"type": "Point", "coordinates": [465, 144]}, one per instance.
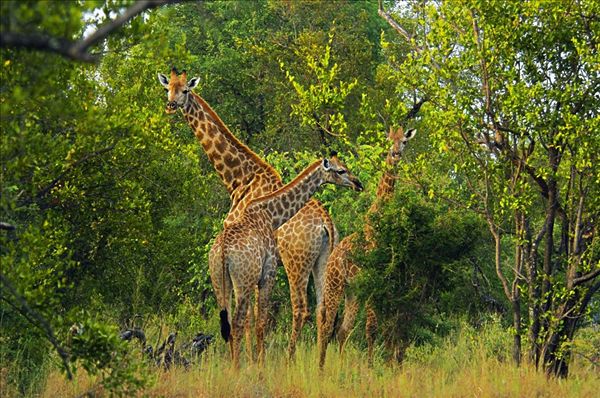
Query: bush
{"type": "Point", "coordinates": [420, 271]}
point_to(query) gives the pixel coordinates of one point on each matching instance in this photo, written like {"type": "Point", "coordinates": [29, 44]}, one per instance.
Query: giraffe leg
{"type": "Point", "coordinates": [371, 330]}
{"type": "Point", "coordinates": [297, 307]}
{"type": "Point", "coordinates": [241, 311]}
{"type": "Point", "coordinates": [332, 294]}
{"type": "Point", "coordinates": [299, 242]}
{"type": "Point", "coordinates": [320, 266]}
{"type": "Point", "coordinates": [298, 273]}
{"type": "Point", "coordinates": [262, 305]}
{"type": "Point", "coordinates": [350, 311]}
{"type": "Point", "coordinates": [248, 332]}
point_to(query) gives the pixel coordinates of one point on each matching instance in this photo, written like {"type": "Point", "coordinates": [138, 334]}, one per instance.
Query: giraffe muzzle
{"type": "Point", "coordinates": [358, 186]}
{"type": "Point", "coordinates": [171, 107]}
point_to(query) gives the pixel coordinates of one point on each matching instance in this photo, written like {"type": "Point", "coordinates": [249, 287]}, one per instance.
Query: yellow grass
{"type": "Point", "coordinates": [349, 376]}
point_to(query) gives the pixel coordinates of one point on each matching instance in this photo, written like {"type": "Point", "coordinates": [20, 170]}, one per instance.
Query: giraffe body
{"type": "Point", "coordinates": [304, 242]}
{"type": "Point", "coordinates": [342, 269]}
{"type": "Point", "coordinates": [245, 257]}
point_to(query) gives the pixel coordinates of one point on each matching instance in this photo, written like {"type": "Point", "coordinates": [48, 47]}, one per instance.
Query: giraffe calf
{"type": "Point", "coordinates": [341, 269]}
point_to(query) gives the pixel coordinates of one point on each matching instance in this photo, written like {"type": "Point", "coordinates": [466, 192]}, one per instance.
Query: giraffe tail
{"type": "Point", "coordinates": [225, 326]}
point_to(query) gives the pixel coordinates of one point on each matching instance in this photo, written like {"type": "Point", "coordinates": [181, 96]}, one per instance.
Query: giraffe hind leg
{"type": "Point", "coordinates": [262, 308]}
{"type": "Point", "coordinates": [299, 261]}
{"type": "Point", "coordinates": [327, 311]}
{"type": "Point", "coordinates": [371, 330]}
{"type": "Point", "coordinates": [350, 311]}
{"type": "Point", "coordinates": [239, 318]}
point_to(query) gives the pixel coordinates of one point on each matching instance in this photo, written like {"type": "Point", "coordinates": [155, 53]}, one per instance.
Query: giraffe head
{"type": "Point", "coordinates": [177, 88]}
{"type": "Point", "coordinates": [399, 139]}
{"type": "Point", "coordinates": [336, 172]}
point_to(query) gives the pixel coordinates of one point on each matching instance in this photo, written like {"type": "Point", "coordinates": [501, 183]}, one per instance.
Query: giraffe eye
{"type": "Point", "coordinates": [340, 172]}
{"type": "Point", "coordinates": [186, 91]}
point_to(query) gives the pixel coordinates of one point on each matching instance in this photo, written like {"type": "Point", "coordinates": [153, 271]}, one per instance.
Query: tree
{"type": "Point", "coordinates": [16, 29]}
{"type": "Point", "coordinates": [90, 167]}
{"type": "Point", "coordinates": [514, 111]}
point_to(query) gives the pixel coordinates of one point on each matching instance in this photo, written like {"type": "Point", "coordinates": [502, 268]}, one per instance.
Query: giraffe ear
{"type": "Point", "coordinates": [390, 133]}
{"type": "Point", "coordinates": [163, 80]}
{"type": "Point", "coordinates": [326, 164]}
{"type": "Point", "coordinates": [410, 134]}
{"type": "Point", "coordinates": [193, 82]}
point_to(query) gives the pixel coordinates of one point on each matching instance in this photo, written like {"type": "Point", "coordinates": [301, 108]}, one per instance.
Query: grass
{"type": "Point", "coordinates": [468, 364]}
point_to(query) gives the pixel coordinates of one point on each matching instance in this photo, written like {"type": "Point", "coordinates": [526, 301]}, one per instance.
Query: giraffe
{"type": "Point", "coordinates": [341, 269]}
{"type": "Point", "coordinates": [246, 256]}
{"type": "Point", "coordinates": [304, 242]}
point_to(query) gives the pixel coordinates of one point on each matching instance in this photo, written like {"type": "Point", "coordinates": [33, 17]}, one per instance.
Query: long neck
{"type": "Point", "coordinates": [235, 163]}
{"type": "Point", "coordinates": [284, 203]}
{"type": "Point", "coordinates": [385, 189]}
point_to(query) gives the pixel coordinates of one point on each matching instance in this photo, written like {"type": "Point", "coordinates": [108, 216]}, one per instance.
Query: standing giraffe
{"type": "Point", "coordinates": [341, 269]}
{"type": "Point", "coordinates": [304, 242]}
{"type": "Point", "coordinates": [246, 254]}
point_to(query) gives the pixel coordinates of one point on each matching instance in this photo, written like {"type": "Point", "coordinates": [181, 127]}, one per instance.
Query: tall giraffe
{"type": "Point", "coordinates": [246, 256]}
{"type": "Point", "coordinates": [304, 242]}
{"type": "Point", "coordinates": [341, 269]}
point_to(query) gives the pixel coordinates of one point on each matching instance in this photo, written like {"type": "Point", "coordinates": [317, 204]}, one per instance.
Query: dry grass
{"type": "Point", "coordinates": [348, 376]}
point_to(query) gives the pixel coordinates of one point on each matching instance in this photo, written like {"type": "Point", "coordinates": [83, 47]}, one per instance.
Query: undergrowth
{"type": "Point", "coordinates": [468, 362]}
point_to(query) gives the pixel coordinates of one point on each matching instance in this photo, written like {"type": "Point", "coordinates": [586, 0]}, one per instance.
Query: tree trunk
{"type": "Point", "coordinates": [516, 307]}
{"type": "Point", "coordinates": [531, 264]}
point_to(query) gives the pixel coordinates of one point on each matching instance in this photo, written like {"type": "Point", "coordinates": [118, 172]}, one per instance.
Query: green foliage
{"type": "Point", "coordinates": [98, 349]}
{"type": "Point", "coordinates": [115, 205]}
{"type": "Point", "coordinates": [420, 271]}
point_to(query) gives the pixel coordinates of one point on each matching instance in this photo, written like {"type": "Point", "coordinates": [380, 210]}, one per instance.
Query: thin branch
{"type": "Point", "coordinates": [412, 113]}
{"type": "Point", "coordinates": [403, 32]}
{"type": "Point", "coordinates": [37, 320]}
{"type": "Point", "coordinates": [78, 50]}
{"type": "Point", "coordinates": [6, 226]}
{"type": "Point", "coordinates": [586, 277]}
{"type": "Point", "coordinates": [44, 191]}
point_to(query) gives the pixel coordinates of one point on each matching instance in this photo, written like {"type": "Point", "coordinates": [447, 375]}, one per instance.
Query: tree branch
{"type": "Point", "coordinates": [78, 50]}
{"type": "Point", "coordinates": [37, 320]}
{"type": "Point", "coordinates": [6, 226]}
{"type": "Point", "coordinates": [44, 191]}
{"type": "Point", "coordinates": [586, 277]}
{"type": "Point", "coordinates": [412, 113]}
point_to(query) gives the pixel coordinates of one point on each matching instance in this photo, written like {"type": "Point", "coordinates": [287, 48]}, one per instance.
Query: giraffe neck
{"type": "Point", "coordinates": [385, 189]}
{"type": "Point", "coordinates": [235, 163]}
{"type": "Point", "coordinates": [284, 203]}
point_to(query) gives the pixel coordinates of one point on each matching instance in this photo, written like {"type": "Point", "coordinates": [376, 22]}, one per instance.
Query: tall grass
{"type": "Point", "coordinates": [468, 363]}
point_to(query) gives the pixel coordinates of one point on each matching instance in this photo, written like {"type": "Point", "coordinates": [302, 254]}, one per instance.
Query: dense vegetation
{"type": "Point", "coordinates": [109, 206]}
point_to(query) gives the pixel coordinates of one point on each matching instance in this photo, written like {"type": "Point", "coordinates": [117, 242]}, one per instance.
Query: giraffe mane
{"type": "Point", "coordinates": [232, 138]}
